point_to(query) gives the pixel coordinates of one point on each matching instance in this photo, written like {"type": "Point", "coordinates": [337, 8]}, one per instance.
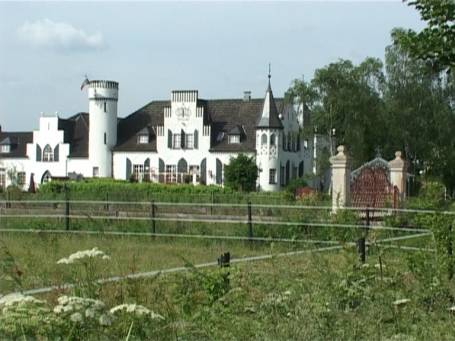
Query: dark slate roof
{"type": "Point", "coordinates": [131, 126]}
{"type": "Point", "coordinates": [269, 117]}
{"type": "Point", "coordinates": [18, 143]}
{"type": "Point", "coordinates": [76, 132]}
{"type": "Point", "coordinates": [223, 115]}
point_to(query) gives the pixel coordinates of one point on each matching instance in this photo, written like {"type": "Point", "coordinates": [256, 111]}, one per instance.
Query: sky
{"type": "Point", "coordinates": [152, 48]}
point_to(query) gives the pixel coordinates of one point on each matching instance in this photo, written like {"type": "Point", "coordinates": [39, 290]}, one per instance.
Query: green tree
{"type": "Point", "coordinates": [349, 103]}
{"type": "Point", "coordinates": [436, 42]}
{"type": "Point", "coordinates": [420, 116]}
{"type": "Point", "coordinates": [241, 173]}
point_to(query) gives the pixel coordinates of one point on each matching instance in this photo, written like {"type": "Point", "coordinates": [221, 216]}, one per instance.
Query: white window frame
{"type": "Point", "coordinates": [3, 178]}
{"type": "Point", "coordinates": [48, 154]}
{"type": "Point", "coordinates": [143, 139]}
{"type": "Point", "coordinates": [176, 141]}
{"type": "Point", "coordinates": [234, 139]}
{"type": "Point", "coordinates": [272, 181]}
{"type": "Point", "coordinates": [171, 173]}
{"type": "Point", "coordinates": [5, 148]}
{"type": "Point", "coordinates": [189, 141]}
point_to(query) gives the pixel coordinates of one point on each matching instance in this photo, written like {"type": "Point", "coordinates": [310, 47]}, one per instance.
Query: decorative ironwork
{"type": "Point", "coordinates": [371, 186]}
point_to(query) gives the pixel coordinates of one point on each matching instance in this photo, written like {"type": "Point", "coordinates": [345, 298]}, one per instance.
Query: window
{"type": "Point", "coordinates": [105, 138]}
{"type": "Point", "coordinates": [263, 139]}
{"type": "Point", "coordinates": [171, 173]}
{"type": "Point", "coordinates": [272, 140]}
{"type": "Point", "coordinates": [2, 178]}
{"type": "Point", "coordinates": [234, 139]}
{"type": "Point", "coordinates": [96, 172]}
{"type": "Point", "coordinates": [189, 141]}
{"type": "Point", "coordinates": [194, 169]}
{"type": "Point", "coordinates": [46, 177]}
{"type": "Point", "coordinates": [305, 144]}
{"type": "Point", "coordinates": [5, 148]}
{"type": "Point", "coordinates": [138, 172]}
{"type": "Point", "coordinates": [176, 143]}
{"type": "Point", "coordinates": [48, 154]}
{"type": "Point", "coordinates": [105, 107]}
{"type": "Point", "coordinates": [21, 178]}
{"type": "Point", "coordinates": [282, 177]}
{"type": "Point", "coordinates": [143, 139]}
{"type": "Point", "coordinates": [272, 176]}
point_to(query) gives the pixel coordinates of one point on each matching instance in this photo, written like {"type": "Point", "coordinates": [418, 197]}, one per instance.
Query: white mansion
{"type": "Point", "coordinates": [184, 139]}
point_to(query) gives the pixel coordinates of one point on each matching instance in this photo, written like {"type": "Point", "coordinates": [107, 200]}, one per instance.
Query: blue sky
{"type": "Point", "coordinates": [151, 48]}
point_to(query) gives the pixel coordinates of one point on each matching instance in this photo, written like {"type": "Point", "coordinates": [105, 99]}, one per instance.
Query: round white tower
{"type": "Point", "coordinates": [103, 98]}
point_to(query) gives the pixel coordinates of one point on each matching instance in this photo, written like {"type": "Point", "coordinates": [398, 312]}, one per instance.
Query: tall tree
{"type": "Point", "coordinates": [349, 101]}
{"type": "Point", "coordinates": [436, 42]}
{"type": "Point", "coordinates": [241, 173]}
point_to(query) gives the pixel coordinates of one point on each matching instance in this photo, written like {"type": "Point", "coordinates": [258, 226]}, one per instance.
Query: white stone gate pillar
{"type": "Point", "coordinates": [341, 179]}
{"type": "Point", "coordinates": [398, 174]}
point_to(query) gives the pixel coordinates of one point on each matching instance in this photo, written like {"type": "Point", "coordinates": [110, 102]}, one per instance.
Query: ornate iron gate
{"type": "Point", "coordinates": [371, 187]}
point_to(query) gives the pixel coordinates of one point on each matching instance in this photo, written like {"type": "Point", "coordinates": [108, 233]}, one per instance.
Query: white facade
{"type": "Point", "coordinates": [187, 140]}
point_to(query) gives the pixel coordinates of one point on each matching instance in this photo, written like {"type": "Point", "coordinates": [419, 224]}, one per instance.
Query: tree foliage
{"type": "Point", "coordinates": [403, 104]}
{"type": "Point", "coordinates": [241, 173]}
{"type": "Point", "coordinates": [436, 42]}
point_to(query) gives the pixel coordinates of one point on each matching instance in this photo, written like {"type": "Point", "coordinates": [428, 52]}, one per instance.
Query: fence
{"type": "Point", "coordinates": [295, 224]}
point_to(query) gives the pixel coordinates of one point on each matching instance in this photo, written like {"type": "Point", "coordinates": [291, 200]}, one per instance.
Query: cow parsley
{"type": "Point", "coordinates": [80, 255]}
{"type": "Point", "coordinates": [137, 310]}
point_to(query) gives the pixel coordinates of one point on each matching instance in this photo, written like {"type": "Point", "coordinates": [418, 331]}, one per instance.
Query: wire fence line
{"type": "Point", "coordinates": [217, 221]}
{"type": "Point", "coordinates": [203, 236]}
{"type": "Point", "coordinates": [238, 205]}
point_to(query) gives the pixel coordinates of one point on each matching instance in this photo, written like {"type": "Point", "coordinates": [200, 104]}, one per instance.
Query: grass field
{"type": "Point", "coordinates": [313, 296]}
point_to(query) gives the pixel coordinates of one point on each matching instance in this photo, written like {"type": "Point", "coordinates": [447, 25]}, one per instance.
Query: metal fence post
{"type": "Point", "coordinates": [250, 222]}
{"type": "Point", "coordinates": [224, 260]}
{"type": "Point", "coordinates": [211, 200]}
{"type": "Point", "coordinates": [450, 252]}
{"type": "Point", "coordinates": [152, 213]}
{"type": "Point", "coordinates": [67, 210]}
{"type": "Point", "coordinates": [361, 243]}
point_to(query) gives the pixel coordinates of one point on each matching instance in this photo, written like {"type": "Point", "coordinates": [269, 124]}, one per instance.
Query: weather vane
{"type": "Point", "coordinates": [270, 70]}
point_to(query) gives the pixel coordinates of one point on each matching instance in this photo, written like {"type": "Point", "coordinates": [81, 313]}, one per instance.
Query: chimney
{"type": "Point", "coordinates": [246, 96]}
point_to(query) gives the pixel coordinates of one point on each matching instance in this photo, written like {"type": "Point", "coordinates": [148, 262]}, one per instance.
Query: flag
{"type": "Point", "coordinates": [85, 82]}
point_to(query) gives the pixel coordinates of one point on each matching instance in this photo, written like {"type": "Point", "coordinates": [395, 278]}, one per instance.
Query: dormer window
{"type": "Point", "coordinates": [5, 148]}
{"type": "Point", "coordinates": [5, 145]}
{"type": "Point", "coordinates": [143, 139]}
{"type": "Point", "coordinates": [234, 134]}
{"type": "Point", "coordinates": [234, 138]}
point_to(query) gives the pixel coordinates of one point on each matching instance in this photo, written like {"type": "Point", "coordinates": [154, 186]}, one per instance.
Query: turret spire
{"type": "Point", "coordinates": [269, 117]}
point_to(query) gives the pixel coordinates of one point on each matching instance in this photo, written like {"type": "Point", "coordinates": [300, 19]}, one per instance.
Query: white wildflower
{"type": "Point", "coordinates": [17, 298]}
{"type": "Point", "coordinates": [90, 313]}
{"type": "Point", "coordinates": [76, 317]}
{"type": "Point", "coordinates": [378, 266]}
{"type": "Point", "coordinates": [287, 292]}
{"type": "Point", "coordinates": [136, 309]}
{"type": "Point", "coordinates": [452, 309]}
{"type": "Point", "coordinates": [95, 252]}
{"type": "Point", "coordinates": [59, 309]}
{"type": "Point", "coordinates": [105, 320]}
{"type": "Point", "coordinates": [401, 302]}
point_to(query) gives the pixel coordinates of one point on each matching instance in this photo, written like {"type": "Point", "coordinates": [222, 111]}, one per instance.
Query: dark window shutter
{"type": "Point", "coordinates": [301, 169]}
{"type": "Point", "coordinates": [182, 166]}
{"type": "Point", "coordinates": [219, 171]}
{"type": "Point", "coordinates": [195, 139]}
{"type": "Point", "coordinates": [169, 138]}
{"type": "Point", "coordinates": [203, 178]}
{"type": "Point", "coordinates": [56, 153]}
{"type": "Point", "coordinates": [39, 153]}
{"type": "Point", "coordinates": [161, 166]}
{"type": "Point", "coordinates": [182, 139]}
{"type": "Point", "coordinates": [129, 169]}
{"type": "Point", "coordinates": [298, 142]}
{"type": "Point", "coordinates": [161, 170]}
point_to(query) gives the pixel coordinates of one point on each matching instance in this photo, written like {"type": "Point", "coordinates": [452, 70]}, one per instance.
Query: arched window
{"type": "Point", "coordinates": [48, 154]}
{"type": "Point", "coordinates": [46, 177]}
{"type": "Point", "coordinates": [263, 139]}
{"type": "Point", "coordinates": [272, 140]}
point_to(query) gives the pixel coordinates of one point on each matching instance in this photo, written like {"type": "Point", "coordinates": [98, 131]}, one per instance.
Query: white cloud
{"type": "Point", "coordinates": [60, 36]}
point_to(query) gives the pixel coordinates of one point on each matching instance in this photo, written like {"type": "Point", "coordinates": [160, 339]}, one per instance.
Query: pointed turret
{"type": "Point", "coordinates": [269, 117]}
